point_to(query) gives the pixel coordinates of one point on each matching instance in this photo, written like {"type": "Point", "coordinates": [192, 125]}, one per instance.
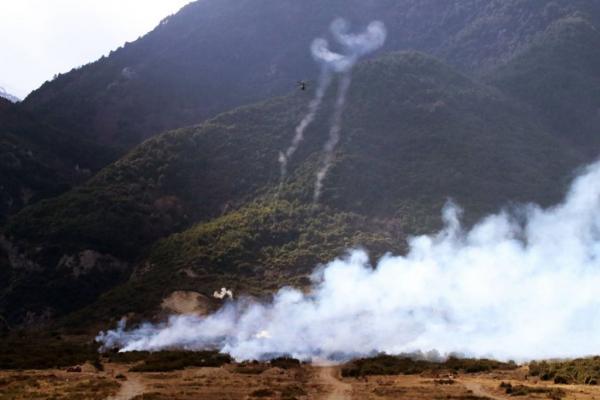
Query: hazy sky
{"type": "Point", "coordinates": [39, 38]}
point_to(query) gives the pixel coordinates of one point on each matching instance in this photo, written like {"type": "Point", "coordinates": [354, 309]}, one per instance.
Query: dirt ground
{"type": "Point", "coordinates": [235, 381]}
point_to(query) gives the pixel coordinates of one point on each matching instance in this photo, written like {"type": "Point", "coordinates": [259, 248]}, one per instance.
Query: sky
{"type": "Point", "coordinates": [40, 38]}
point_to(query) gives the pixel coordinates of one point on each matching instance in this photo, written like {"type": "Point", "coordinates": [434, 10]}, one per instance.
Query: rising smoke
{"type": "Point", "coordinates": [354, 47]}
{"type": "Point", "coordinates": [523, 284]}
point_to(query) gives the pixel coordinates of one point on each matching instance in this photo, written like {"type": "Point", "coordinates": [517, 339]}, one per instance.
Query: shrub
{"type": "Point", "coordinates": [394, 365]}
{"type": "Point", "coordinates": [262, 393]}
{"type": "Point", "coordinates": [522, 390]}
{"type": "Point", "coordinates": [251, 368]}
{"type": "Point", "coordinates": [285, 363]}
{"type": "Point", "coordinates": [164, 361]}
{"type": "Point", "coordinates": [292, 391]}
{"type": "Point", "coordinates": [578, 371]}
{"type": "Point", "coordinates": [35, 351]}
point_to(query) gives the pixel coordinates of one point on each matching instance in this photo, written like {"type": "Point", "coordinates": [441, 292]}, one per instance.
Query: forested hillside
{"type": "Point", "coordinates": [217, 54]}
{"type": "Point", "coordinates": [489, 103]}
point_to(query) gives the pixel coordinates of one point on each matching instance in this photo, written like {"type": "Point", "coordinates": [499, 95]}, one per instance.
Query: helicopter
{"type": "Point", "coordinates": [302, 85]}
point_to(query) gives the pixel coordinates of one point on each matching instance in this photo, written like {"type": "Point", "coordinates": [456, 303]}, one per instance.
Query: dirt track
{"type": "Point", "coordinates": [339, 390]}
{"type": "Point", "coordinates": [130, 388]}
{"type": "Point", "coordinates": [480, 391]}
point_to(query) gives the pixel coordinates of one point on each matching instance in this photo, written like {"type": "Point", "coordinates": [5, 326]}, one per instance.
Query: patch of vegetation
{"type": "Point", "coordinates": [97, 363]}
{"type": "Point", "coordinates": [583, 371]}
{"type": "Point", "coordinates": [152, 396]}
{"type": "Point", "coordinates": [161, 187]}
{"type": "Point", "coordinates": [91, 389]}
{"type": "Point", "coordinates": [256, 250]}
{"type": "Point", "coordinates": [251, 368]}
{"type": "Point", "coordinates": [285, 363]}
{"type": "Point", "coordinates": [462, 397]}
{"type": "Point", "coordinates": [262, 393]}
{"type": "Point", "coordinates": [396, 365]}
{"type": "Point", "coordinates": [50, 387]}
{"type": "Point", "coordinates": [559, 75]}
{"type": "Point", "coordinates": [126, 357]}
{"type": "Point", "coordinates": [38, 161]}
{"type": "Point", "coordinates": [292, 392]}
{"type": "Point", "coordinates": [389, 391]}
{"type": "Point", "coordinates": [164, 361]}
{"type": "Point", "coordinates": [447, 381]}
{"type": "Point", "coordinates": [42, 352]}
{"type": "Point", "coordinates": [523, 390]}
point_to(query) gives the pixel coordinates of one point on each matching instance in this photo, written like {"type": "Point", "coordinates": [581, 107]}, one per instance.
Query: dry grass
{"type": "Point", "coordinates": [56, 386]}
{"type": "Point", "coordinates": [295, 382]}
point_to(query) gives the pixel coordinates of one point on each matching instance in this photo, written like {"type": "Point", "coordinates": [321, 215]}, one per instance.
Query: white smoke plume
{"type": "Point", "coordinates": [355, 46]}
{"type": "Point", "coordinates": [359, 45]}
{"type": "Point", "coordinates": [223, 293]}
{"type": "Point", "coordinates": [521, 285]}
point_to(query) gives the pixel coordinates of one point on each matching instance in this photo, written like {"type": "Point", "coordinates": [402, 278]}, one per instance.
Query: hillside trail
{"type": "Point", "coordinates": [339, 390]}
{"type": "Point", "coordinates": [480, 391]}
{"type": "Point", "coordinates": [130, 388]}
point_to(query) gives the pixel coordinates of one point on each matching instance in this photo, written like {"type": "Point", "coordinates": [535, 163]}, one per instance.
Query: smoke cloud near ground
{"type": "Point", "coordinates": [354, 47]}
{"type": "Point", "coordinates": [522, 284]}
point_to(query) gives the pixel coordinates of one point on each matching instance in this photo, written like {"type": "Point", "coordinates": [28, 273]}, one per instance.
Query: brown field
{"type": "Point", "coordinates": [261, 381]}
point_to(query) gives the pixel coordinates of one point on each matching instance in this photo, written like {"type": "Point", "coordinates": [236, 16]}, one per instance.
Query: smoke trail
{"type": "Point", "coordinates": [334, 134]}
{"type": "Point", "coordinates": [313, 108]}
{"type": "Point", "coordinates": [355, 46]}
{"type": "Point", "coordinates": [519, 285]}
{"type": "Point", "coordinates": [330, 62]}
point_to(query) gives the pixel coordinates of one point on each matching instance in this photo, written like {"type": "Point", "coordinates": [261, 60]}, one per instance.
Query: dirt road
{"type": "Point", "coordinates": [339, 390]}
{"type": "Point", "coordinates": [479, 390]}
{"type": "Point", "coordinates": [130, 388]}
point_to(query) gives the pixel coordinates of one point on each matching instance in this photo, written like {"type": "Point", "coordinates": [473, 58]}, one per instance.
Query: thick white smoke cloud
{"type": "Point", "coordinates": [359, 45]}
{"type": "Point", "coordinates": [354, 46]}
{"type": "Point", "coordinates": [519, 285]}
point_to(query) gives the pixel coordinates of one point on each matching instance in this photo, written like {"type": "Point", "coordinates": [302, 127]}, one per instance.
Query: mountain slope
{"type": "Point", "coordinates": [416, 132]}
{"type": "Point", "coordinates": [254, 250]}
{"type": "Point", "coordinates": [560, 76]}
{"type": "Point", "coordinates": [38, 161]}
{"type": "Point", "coordinates": [217, 54]}
{"type": "Point", "coordinates": [89, 237]}
{"type": "Point", "coordinates": [5, 95]}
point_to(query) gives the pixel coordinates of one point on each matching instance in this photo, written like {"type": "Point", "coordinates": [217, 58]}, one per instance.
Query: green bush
{"type": "Point", "coordinates": [43, 352]}
{"type": "Point", "coordinates": [262, 393]}
{"type": "Point", "coordinates": [396, 365]}
{"type": "Point", "coordinates": [523, 390]}
{"type": "Point", "coordinates": [164, 361]}
{"type": "Point", "coordinates": [584, 371]}
{"type": "Point", "coordinates": [285, 362]}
